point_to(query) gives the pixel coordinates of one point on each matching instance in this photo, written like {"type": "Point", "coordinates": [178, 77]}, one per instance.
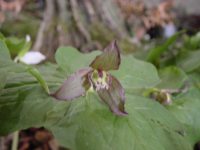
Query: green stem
{"type": "Point", "coordinates": [15, 140]}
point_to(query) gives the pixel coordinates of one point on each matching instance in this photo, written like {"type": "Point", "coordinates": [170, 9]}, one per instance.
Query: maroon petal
{"type": "Point", "coordinates": [109, 59]}
{"type": "Point", "coordinates": [73, 87]}
{"type": "Point", "coordinates": [114, 97]}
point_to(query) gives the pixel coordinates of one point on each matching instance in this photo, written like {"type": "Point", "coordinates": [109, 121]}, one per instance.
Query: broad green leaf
{"type": "Point", "coordinates": [4, 52]}
{"type": "Point", "coordinates": [7, 67]}
{"type": "Point", "coordinates": [189, 60]}
{"type": "Point", "coordinates": [157, 51]}
{"type": "Point", "coordinates": [25, 104]}
{"type": "Point", "coordinates": [85, 123]}
{"type": "Point", "coordinates": [186, 108]}
{"type": "Point", "coordinates": [134, 73]}
{"type": "Point", "coordinates": [193, 42]}
{"type": "Point", "coordinates": [195, 78]}
{"type": "Point", "coordinates": [37, 75]}
{"type": "Point", "coordinates": [70, 59]}
{"type": "Point", "coordinates": [171, 78]}
{"type": "Point", "coordinates": [53, 75]}
{"type": "Point", "coordinates": [140, 74]}
{"type": "Point", "coordinates": [1, 36]}
{"type": "Point", "coordinates": [89, 125]}
{"type": "Point", "coordinates": [3, 77]}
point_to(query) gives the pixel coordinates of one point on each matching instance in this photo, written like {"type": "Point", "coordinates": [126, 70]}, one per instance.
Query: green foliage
{"type": "Point", "coordinates": [17, 46]}
{"type": "Point", "coordinates": [171, 78]}
{"type": "Point", "coordinates": [70, 59]}
{"type": "Point", "coordinates": [193, 42]}
{"type": "Point", "coordinates": [4, 53]}
{"type": "Point", "coordinates": [87, 124]}
{"type": "Point", "coordinates": [189, 60]}
{"type": "Point", "coordinates": [127, 47]}
{"type": "Point", "coordinates": [155, 53]}
{"type": "Point", "coordinates": [186, 108]}
{"type": "Point", "coordinates": [39, 78]}
{"type": "Point", "coordinates": [135, 74]}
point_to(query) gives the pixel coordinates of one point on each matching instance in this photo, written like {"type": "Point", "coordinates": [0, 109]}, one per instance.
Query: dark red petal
{"type": "Point", "coordinates": [109, 59]}
{"type": "Point", "coordinates": [114, 97]}
{"type": "Point", "coordinates": [73, 87]}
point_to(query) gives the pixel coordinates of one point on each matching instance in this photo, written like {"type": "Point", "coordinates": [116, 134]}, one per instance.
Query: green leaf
{"type": "Point", "coordinates": [194, 77]}
{"type": "Point", "coordinates": [1, 36]}
{"type": "Point", "coordinates": [85, 123]}
{"type": "Point", "coordinates": [189, 60]}
{"type": "Point", "coordinates": [7, 67]}
{"type": "Point", "coordinates": [186, 108]}
{"type": "Point", "coordinates": [171, 78]}
{"type": "Point", "coordinates": [193, 42]}
{"type": "Point", "coordinates": [134, 73]}
{"type": "Point", "coordinates": [27, 106]}
{"type": "Point", "coordinates": [37, 75]}
{"type": "Point", "coordinates": [3, 77]}
{"type": "Point", "coordinates": [4, 52]}
{"type": "Point", "coordinates": [15, 44]}
{"type": "Point", "coordinates": [24, 102]}
{"type": "Point", "coordinates": [88, 125]}
{"type": "Point", "coordinates": [70, 59]}
{"type": "Point", "coordinates": [155, 53]}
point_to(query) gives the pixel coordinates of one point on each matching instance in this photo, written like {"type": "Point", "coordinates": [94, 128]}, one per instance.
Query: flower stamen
{"type": "Point", "coordinates": [99, 80]}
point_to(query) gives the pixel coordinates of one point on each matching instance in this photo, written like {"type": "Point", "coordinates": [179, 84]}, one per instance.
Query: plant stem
{"type": "Point", "coordinates": [15, 140]}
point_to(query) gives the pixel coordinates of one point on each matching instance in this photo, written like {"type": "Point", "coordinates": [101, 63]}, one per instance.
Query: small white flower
{"type": "Point", "coordinates": [32, 58]}
{"type": "Point", "coordinates": [169, 30]}
{"type": "Point", "coordinates": [28, 38]}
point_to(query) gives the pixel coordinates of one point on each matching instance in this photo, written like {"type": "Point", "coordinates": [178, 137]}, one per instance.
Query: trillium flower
{"type": "Point", "coordinates": [32, 58]}
{"type": "Point", "coordinates": [96, 77]}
